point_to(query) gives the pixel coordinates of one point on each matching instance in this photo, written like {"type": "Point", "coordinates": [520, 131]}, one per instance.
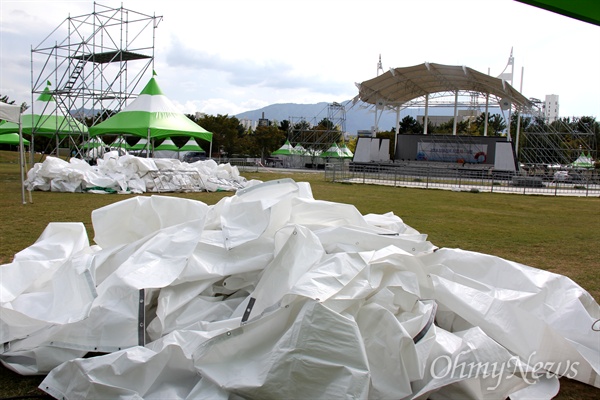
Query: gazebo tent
{"type": "Point", "coordinates": [167, 149]}
{"type": "Point", "coordinates": [583, 161]}
{"type": "Point", "coordinates": [45, 119]}
{"type": "Point", "coordinates": [12, 139]}
{"type": "Point", "coordinates": [286, 150]}
{"type": "Point", "coordinates": [346, 151]}
{"type": "Point", "coordinates": [152, 116]}
{"type": "Point", "coordinates": [299, 150]}
{"type": "Point", "coordinates": [333, 151]}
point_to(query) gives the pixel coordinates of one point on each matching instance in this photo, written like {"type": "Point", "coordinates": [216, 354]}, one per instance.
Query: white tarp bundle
{"type": "Point", "coordinates": [131, 174]}
{"type": "Point", "coordinates": [271, 294]}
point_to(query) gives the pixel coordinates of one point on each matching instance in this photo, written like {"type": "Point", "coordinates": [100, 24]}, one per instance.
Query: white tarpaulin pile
{"type": "Point", "coordinates": [131, 174]}
{"type": "Point", "coordinates": [271, 294]}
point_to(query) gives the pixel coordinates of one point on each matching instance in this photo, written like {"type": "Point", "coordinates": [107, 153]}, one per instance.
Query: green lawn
{"type": "Point", "coordinates": [559, 234]}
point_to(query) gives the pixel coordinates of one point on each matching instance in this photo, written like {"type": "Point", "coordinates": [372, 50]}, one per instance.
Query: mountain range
{"type": "Point", "coordinates": [357, 116]}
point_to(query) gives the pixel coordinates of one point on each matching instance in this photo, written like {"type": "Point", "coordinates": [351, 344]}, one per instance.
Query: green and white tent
{"type": "Point", "coordinates": [152, 116]}
{"type": "Point", "coordinates": [191, 145]}
{"type": "Point", "coordinates": [583, 161]}
{"type": "Point", "coordinates": [120, 143]}
{"type": "Point", "coordinates": [45, 119]}
{"type": "Point", "coordinates": [333, 151]}
{"type": "Point", "coordinates": [93, 143]}
{"type": "Point", "coordinates": [286, 150]}
{"type": "Point", "coordinates": [167, 144]}
{"type": "Point", "coordinates": [142, 144]}
{"type": "Point", "coordinates": [12, 139]}
{"type": "Point", "coordinates": [347, 153]}
{"type": "Point", "coordinates": [299, 150]}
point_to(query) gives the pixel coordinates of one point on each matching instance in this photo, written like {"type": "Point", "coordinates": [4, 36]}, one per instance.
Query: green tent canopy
{"type": "Point", "coordinates": [152, 116]}
{"type": "Point", "coordinates": [583, 10]}
{"type": "Point", "coordinates": [333, 151]}
{"type": "Point", "coordinates": [12, 138]}
{"type": "Point", "coordinates": [346, 152]}
{"type": "Point", "coordinates": [285, 150]}
{"type": "Point", "coordinates": [45, 119]}
{"type": "Point", "coordinates": [299, 150]}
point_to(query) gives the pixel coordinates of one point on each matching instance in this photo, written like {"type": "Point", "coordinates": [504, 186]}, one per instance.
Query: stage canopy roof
{"type": "Point", "coordinates": [399, 86]}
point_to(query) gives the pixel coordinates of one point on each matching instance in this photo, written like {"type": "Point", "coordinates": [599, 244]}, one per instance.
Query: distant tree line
{"type": "Point", "coordinates": [231, 139]}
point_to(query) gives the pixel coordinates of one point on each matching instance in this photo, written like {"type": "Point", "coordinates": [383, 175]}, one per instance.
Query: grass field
{"type": "Point", "coordinates": [558, 234]}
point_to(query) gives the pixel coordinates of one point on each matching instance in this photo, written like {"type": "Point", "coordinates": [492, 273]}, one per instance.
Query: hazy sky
{"type": "Point", "coordinates": [230, 56]}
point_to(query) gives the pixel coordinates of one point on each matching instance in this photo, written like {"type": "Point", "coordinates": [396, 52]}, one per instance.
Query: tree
{"type": "Point", "coordinates": [496, 124]}
{"type": "Point", "coordinates": [284, 126]}
{"type": "Point", "coordinates": [388, 135]}
{"type": "Point", "coordinates": [267, 139]}
{"type": "Point", "coordinates": [226, 131]}
{"type": "Point", "coordinates": [410, 125]}
{"type": "Point", "coordinates": [325, 125]}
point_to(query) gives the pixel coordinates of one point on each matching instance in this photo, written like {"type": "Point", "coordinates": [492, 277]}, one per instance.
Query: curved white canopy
{"type": "Point", "coordinates": [401, 85]}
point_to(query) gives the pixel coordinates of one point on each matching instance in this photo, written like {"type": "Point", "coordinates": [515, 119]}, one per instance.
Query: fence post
{"type": "Point", "coordinates": [587, 187]}
{"type": "Point", "coordinates": [492, 188]}
{"type": "Point", "coordinates": [555, 187]}
{"type": "Point", "coordinates": [427, 179]}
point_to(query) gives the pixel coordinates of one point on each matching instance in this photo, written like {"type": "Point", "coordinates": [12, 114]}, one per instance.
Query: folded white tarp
{"type": "Point", "coordinates": [271, 294]}
{"type": "Point", "coordinates": [131, 174]}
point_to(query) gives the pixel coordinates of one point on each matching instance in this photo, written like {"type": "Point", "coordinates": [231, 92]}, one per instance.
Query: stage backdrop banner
{"type": "Point", "coordinates": [452, 152]}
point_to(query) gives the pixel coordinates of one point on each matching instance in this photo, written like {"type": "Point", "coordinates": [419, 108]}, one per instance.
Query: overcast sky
{"type": "Point", "coordinates": [230, 56]}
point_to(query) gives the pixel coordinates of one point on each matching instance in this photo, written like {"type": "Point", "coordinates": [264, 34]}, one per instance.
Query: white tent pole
{"type": "Point", "coordinates": [22, 161]}
{"type": "Point", "coordinates": [210, 150]}
{"type": "Point", "coordinates": [148, 145]}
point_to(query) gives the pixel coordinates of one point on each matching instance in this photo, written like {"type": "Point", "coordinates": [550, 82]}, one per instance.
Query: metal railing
{"type": "Point", "coordinates": [460, 178]}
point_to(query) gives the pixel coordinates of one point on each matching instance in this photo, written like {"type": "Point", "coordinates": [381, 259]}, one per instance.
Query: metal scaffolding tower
{"type": "Point", "coordinates": [314, 137]}
{"type": "Point", "coordinates": [559, 143]}
{"type": "Point", "coordinates": [92, 64]}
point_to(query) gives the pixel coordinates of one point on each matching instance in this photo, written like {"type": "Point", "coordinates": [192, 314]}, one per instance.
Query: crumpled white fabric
{"type": "Point", "coordinates": [131, 174]}
{"type": "Point", "coordinates": [272, 294]}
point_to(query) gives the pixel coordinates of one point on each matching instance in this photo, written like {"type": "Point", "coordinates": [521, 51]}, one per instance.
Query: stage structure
{"type": "Point", "coordinates": [314, 138]}
{"type": "Point", "coordinates": [428, 84]}
{"type": "Point", "coordinates": [94, 63]}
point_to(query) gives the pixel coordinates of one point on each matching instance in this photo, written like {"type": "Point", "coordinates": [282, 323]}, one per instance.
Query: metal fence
{"type": "Point", "coordinates": [460, 178]}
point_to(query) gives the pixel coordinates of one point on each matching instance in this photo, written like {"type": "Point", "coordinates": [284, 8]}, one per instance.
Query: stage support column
{"type": "Point", "coordinates": [455, 112]}
{"type": "Point", "coordinates": [426, 119]}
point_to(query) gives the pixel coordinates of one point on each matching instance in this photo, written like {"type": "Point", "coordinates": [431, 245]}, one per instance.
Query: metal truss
{"type": "Point", "coordinates": [94, 63]}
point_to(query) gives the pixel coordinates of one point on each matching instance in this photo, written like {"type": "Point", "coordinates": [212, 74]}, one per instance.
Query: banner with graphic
{"type": "Point", "coordinates": [452, 152]}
